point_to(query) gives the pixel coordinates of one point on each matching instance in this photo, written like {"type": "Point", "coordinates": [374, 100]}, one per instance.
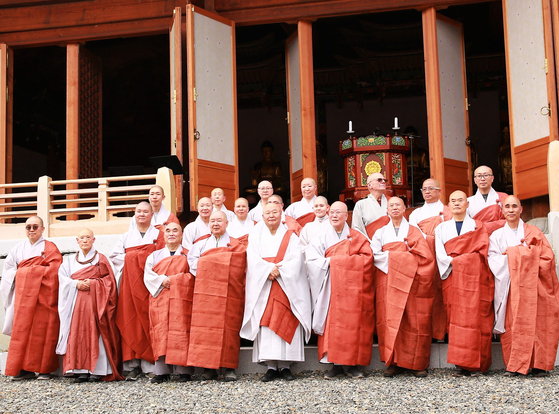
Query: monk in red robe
{"type": "Point", "coordinates": [219, 264]}
{"type": "Point", "coordinates": [29, 290]}
{"type": "Point", "coordinates": [302, 210]}
{"type": "Point", "coordinates": [486, 204]}
{"type": "Point", "coordinates": [340, 267]}
{"type": "Point", "coordinates": [468, 288]}
{"type": "Point", "coordinates": [404, 293]}
{"type": "Point", "coordinates": [526, 294]}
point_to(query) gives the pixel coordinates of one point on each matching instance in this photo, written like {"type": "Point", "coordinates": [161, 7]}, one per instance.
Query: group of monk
{"type": "Point", "coordinates": [168, 300]}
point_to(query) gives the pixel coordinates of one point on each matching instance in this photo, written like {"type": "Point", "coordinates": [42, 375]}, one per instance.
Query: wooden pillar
{"type": "Point", "coordinates": [433, 93]}
{"type": "Point", "coordinates": [6, 117]}
{"type": "Point", "coordinates": [308, 134]}
{"type": "Point", "coordinates": [72, 119]}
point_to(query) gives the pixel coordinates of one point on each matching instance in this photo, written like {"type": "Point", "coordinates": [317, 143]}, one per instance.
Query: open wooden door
{"type": "Point", "coordinates": [300, 107]}
{"type": "Point", "coordinates": [212, 105]}
{"type": "Point", "coordinates": [532, 93]}
{"type": "Point", "coordinates": [175, 52]}
{"type": "Point", "coordinates": [447, 108]}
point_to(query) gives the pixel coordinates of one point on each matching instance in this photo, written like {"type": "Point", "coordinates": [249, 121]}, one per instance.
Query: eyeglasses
{"type": "Point", "coordinates": [32, 226]}
{"type": "Point", "coordinates": [480, 176]}
{"type": "Point", "coordinates": [424, 189]}
{"type": "Point", "coordinates": [264, 188]}
{"type": "Point", "coordinates": [379, 180]}
{"type": "Point", "coordinates": [336, 212]}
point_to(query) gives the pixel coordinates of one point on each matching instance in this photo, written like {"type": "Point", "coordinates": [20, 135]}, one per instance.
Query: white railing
{"type": "Point", "coordinates": [88, 201]}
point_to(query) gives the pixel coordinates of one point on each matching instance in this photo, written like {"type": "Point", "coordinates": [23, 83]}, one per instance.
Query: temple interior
{"type": "Point", "coordinates": [368, 69]}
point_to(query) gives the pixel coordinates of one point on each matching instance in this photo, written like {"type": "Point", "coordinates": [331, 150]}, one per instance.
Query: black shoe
{"type": "Point", "coordinates": [135, 374]}
{"type": "Point", "coordinates": [81, 378]}
{"type": "Point", "coordinates": [24, 375]}
{"type": "Point", "coordinates": [287, 375]}
{"type": "Point", "coordinates": [270, 375]}
{"type": "Point", "coordinates": [158, 379]}
{"type": "Point", "coordinates": [539, 373]}
{"type": "Point", "coordinates": [355, 372]}
{"type": "Point", "coordinates": [94, 378]}
{"type": "Point", "coordinates": [337, 371]}
{"type": "Point", "coordinates": [185, 377]}
{"type": "Point", "coordinates": [392, 371]}
{"type": "Point", "coordinates": [230, 375]}
{"type": "Point", "coordinates": [209, 374]}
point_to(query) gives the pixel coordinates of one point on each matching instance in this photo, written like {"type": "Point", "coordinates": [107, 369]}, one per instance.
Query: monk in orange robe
{"type": "Point", "coordinates": [468, 288]}
{"type": "Point", "coordinates": [404, 293]}
{"type": "Point", "coordinates": [526, 294]}
{"type": "Point", "coordinates": [486, 204]}
{"type": "Point", "coordinates": [302, 210]}
{"type": "Point", "coordinates": [29, 290]}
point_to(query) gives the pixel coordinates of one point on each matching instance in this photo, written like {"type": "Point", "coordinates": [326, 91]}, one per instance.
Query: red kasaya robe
{"type": "Point", "coordinates": [95, 314]}
{"type": "Point", "coordinates": [132, 316]}
{"type": "Point", "coordinates": [375, 225]}
{"type": "Point", "coordinates": [218, 306]}
{"type": "Point", "coordinates": [348, 333]}
{"type": "Point", "coordinates": [532, 315]}
{"type": "Point", "coordinates": [492, 216]}
{"type": "Point", "coordinates": [468, 296]}
{"type": "Point", "coordinates": [170, 313]}
{"type": "Point", "coordinates": [36, 322]}
{"type": "Point", "coordinates": [306, 219]}
{"type": "Point", "coordinates": [404, 300]}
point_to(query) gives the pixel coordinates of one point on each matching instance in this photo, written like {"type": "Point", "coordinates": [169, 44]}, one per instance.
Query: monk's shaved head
{"type": "Point", "coordinates": [458, 204]}
{"type": "Point", "coordinates": [321, 199]}
{"type": "Point", "coordinates": [204, 200]}
{"type": "Point", "coordinates": [339, 205]}
{"type": "Point", "coordinates": [219, 214]}
{"type": "Point", "coordinates": [85, 231]}
{"type": "Point", "coordinates": [275, 198]}
{"type": "Point", "coordinates": [457, 194]}
{"type": "Point", "coordinates": [512, 210]}
{"type": "Point", "coordinates": [144, 205]}
{"type": "Point", "coordinates": [512, 199]}
{"type": "Point", "coordinates": [157, 187]}
{"type": "Point", "coordinates": [396, 200]}
{"type": "Point", "coordinates": [338, 215]}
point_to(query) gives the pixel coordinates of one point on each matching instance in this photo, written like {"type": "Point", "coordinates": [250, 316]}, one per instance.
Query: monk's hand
{"type": "Point", "coordinates": [83, 285]}
{"type": "Point", "coordinates": [274, 273]}
{"type": "Point", "coordinates": [166, 283]}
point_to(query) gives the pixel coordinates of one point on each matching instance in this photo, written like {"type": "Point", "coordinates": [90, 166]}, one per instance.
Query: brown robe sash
{"type": "Point", "coordinates": [171, 311]}
{"type": "Point", "coordinates": [404, 300]}
{"type": "Point", "coordinates": [36, 322]}
{"type": "Point", "coordinates": [132, 316]}
{"type": "Point", "coordinates": [468, 296]}
{"type": "Point", "coordinates": [532, 331]}
{"type": "Point", "coordinates": [278, 315]}
{"type": "Point", "coordinates": [293, 225]}
{"type": "Point", "coordinates": [348, 333]}
{"type": "Point", "coordinates": [218, 307]}
{"type": "Point", "coordinates": [94, 314]}
{"type": "Point", "coordinates": [375, 225]}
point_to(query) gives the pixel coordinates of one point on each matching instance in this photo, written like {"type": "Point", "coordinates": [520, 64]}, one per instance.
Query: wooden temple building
{"type": "Point", "coordinates": [95, 88]}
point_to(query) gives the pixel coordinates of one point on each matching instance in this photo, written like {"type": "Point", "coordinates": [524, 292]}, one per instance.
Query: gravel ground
{"type": "Point", "coordinates": [309, 393]}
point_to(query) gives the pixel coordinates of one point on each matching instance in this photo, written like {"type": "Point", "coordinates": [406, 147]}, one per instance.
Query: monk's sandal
{"type": "Point", "coordinates": [337, 371]}
{"type": "Point", "coordinates": [158, 379]}
{"type": "Point", "coordinates": [355, 372]}
{"type": "Point", "coordinates": [24, 375]}
{"type": "Point", "coordinates": [135, 374]}
{"type": "Point", "coordinates": [230, 375]}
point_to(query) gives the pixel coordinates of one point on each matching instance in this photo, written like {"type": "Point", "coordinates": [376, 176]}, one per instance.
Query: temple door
{"type": "Point", "coordinates": [532, 93]}
{"type": "Point", "coordinates": [6, 110]}
{"type": "Point", "coordinates": [300, 107]}
{"type": "Point", "coordinates": [175, 52]}
{"type": "Point", "coordinates": [212, 105]}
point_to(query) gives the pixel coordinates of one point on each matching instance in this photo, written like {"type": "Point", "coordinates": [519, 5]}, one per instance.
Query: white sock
{"type": "Point", "coordinates": [274, 368]}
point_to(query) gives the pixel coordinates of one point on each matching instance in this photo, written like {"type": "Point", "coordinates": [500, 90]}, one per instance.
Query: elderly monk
{"type": "Point", "coordinates": [218, 200]}
{"type": "Point", "coordinates": [526, 294]}
{"type": "Point", "coordinates": [340, 266]}
{"type": "Point", "coordinates": [290, 222]}
{"type": "Point", "coordinates": [29, 290]}
{"type": "Point", "coordinates": [404, 293]}
{"type": "Point", "coordinates": [199, 229]}
{"type": "Point", "coordinates": [320, 222]}
{"type": "Point", "coordinates": [170, 286]}
{"type": "Point", "coordinates": [219, 264]}
{"type": "Point", "coordinates": [161, 215]}
{"type": "Point", "coordinates": [278, 305]}
{"type": "Point", "coordinates": [302, 210]}
{"type": "Point", "coordinates": [132, 316]}
{"type": "Point", "coordinates": [468, 288]}
{"type": "Point", "coordinates": [426, 218]}
{"type": "Point", "coordinates": [371, 208]}
{"type": "Point", "coordinates": [240, 226]}
{"type": "Point", "coordinates": [486, 204]}
{"type": "Point", "coordinates": [265, 190]}
{"type": "Point", "coordinates": [88, 338]}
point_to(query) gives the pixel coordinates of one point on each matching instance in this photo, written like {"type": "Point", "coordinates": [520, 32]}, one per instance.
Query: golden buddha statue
{"type": "Point", "coordinates": [267, 169]}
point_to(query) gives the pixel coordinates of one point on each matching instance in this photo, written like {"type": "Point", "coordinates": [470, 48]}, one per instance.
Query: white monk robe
{"type": "Point", "coordinates": [203, 245]}
{"type": "Point", "coordinates": [366, 211]}
{"type": "Point", "coordinates": [20, 252]}
{"type": "Point", "coordinates": [443, 233]}
{"type": "Point", "coordinates": [193, 231]}
{"type": "Point", "coordinates": [267, 345]}
{"type": "Point", "coordinates": [230, 215]}
{"type": "Point", "coordinates": [157, 219]}
{"type": "Point", "coordinates": [153, 282]}
{"type": "Point", "coordinates": [319, 273]}
{"type": "Point", "coordinates": [311, 230]}
{"type": "Point", "coordinates": [256, 213]}
{"type": "Point", "coordinates": [300, 208]}
{"type": "Point", "coordinates": [385, 235]}
{"type": "Point", "coordinates": [424, 212]}
{"type": "Point", "coordinates": [237, 228]}
{"type": "Point", "coordinates": [499, 240]}
{"type": "Point", "coordinates": [67, 294]}
{"type": "Point", "coordinates": [478, 203]}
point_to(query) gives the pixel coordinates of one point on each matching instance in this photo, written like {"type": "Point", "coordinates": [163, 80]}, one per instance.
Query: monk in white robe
{"type": "Point", "coordinates": [320, 222]}
{"type": "Point", "coordinates": [88, 338]}
{"type": "Point", "coordinates": [171, 286]}
{"type": "Point", "coordinates": [461, 245]}
{"type": "Point", "coordinates": [486, 204]}
{"type": "Point", "coordinates": [371, 208]}
{"type": "Point", "coordinates": [218, 201]}
{"type": "Point", "coordinates": [526, 294]}
{"type": "Point", "coordinates": [29, 290]}
{"type": "Point", "coordinates": [161, 215]}
{"type": "Point", "coordinates": [240, 226]}
{"type": "Point", "coordinates": [265, 190]}
{"type": "Point", "coordinates": [277, 313]}
{"type": "Point", "coordinates": [302, 210]}
{"type": "Point", "coordinates": [199, 228]}
{"type": "Point", "coordinates": [129, 257]}
{"type": "Point", "coordinates": [340, 264]}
